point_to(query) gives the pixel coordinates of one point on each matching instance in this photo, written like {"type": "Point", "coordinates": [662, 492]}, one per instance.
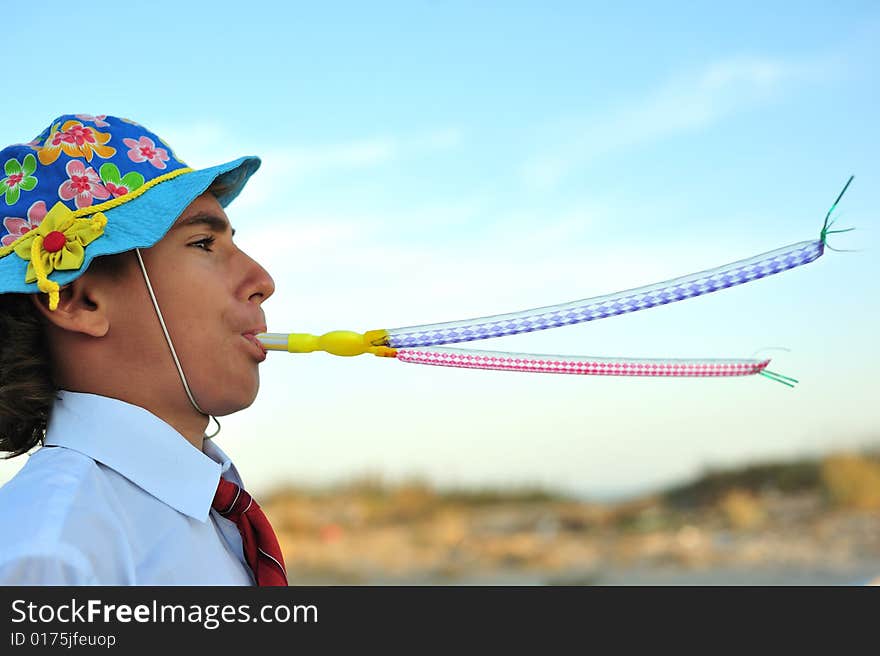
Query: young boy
{"type": "Point", "coordinates": [127, 318]}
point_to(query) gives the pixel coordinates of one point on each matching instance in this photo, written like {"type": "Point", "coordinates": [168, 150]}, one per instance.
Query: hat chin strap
{"type": "Point", "coordinates": [171, 346]}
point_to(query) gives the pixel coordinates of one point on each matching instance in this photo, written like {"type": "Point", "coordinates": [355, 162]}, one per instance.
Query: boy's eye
{"type": "Point", "coordinates": [205, 243]}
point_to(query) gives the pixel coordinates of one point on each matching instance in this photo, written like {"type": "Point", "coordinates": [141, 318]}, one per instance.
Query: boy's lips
{"type": "Point", "coordinates": [258, 349]}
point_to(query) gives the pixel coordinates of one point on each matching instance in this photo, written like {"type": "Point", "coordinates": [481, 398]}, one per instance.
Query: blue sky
{"type": "Point", "coordinates": [436, 161]}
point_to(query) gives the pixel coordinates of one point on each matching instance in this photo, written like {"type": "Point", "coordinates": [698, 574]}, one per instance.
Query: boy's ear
{"type": "Point", "coordinates": [81, 308]}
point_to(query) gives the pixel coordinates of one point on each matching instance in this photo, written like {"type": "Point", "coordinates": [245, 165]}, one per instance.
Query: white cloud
{"type": "Point", "coordinates": [686, 102]}
{"type": "Point", "coordinates": [286, 164]}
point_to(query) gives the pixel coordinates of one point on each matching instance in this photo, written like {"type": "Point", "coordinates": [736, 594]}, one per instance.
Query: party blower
{"type": "Point", "coordinates": [419, 344]}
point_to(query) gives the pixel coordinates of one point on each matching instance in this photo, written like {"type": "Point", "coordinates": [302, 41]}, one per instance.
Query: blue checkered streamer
{"type": "Point", "coordinates": [610, 305]}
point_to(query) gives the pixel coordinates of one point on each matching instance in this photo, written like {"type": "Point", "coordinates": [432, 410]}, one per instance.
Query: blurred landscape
{"type": "Point", "coordinates": [812, 521]}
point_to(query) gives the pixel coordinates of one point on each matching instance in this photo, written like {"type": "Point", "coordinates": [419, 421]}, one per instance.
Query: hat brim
{"type": "Point", "coordinates": [143, 221]}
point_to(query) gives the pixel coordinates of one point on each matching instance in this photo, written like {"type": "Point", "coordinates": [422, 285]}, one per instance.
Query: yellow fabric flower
{"type": "Point", "coordinates": [57, 244]}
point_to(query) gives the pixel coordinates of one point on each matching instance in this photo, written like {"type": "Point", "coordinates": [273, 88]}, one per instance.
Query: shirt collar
{"type": "Point", "coordinates": [142, 447]}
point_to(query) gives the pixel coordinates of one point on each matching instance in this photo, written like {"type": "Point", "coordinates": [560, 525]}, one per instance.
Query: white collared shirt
{"type": "Point", "coordinates": [116, 496]}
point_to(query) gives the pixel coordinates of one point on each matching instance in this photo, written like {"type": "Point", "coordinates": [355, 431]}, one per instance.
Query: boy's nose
{"type": "Point", "coordinates": [261, 283]}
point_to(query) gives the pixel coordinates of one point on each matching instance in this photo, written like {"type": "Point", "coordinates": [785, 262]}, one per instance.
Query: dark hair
{"type": "Point", "coordinates": [27, 390]}
{"type": "Point", "coordinates": [27, 386]}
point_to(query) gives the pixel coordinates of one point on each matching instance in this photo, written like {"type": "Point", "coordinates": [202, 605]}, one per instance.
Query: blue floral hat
{"type": "Point", "coordinates": [89, 186]}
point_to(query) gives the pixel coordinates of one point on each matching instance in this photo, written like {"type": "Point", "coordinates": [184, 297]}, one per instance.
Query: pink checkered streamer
{"type": "Point", "coordinates": [584, 365]}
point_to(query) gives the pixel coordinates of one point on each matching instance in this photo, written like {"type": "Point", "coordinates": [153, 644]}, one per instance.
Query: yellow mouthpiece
{"type": "Point", "coordinates": [337, 342]}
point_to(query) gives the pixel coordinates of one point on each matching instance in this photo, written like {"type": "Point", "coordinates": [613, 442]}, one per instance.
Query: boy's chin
{"type": "Point", "coordinates": [226, 405]}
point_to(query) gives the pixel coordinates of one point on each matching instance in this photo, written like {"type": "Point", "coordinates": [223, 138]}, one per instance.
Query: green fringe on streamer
{"type": "Point", "coordinates": [825, 232]}
{"type": "Point", "coordinates": [779, 378]}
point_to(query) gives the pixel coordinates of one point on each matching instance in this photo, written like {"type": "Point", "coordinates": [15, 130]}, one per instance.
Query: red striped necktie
{"type": "Point", "coordinates": [261, 550]}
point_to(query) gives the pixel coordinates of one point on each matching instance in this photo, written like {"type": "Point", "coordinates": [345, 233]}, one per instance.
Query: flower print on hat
{"type": "Point", "coordinates": [82, 160]}
{"type": "Point", "coordinates": [82, 185]}
{"type": "Point", "coordinates": [19, 227]}
{"type": "Point", "coordinates": [118, 184]}
{"type": "Point", "coordinates": [144, 150]}
{"type": "Point", "coordinates": [75, 140]}
{"type": "Point", "coordinates": [19, 177]}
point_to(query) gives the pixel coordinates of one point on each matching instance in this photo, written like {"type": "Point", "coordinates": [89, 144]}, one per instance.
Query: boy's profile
{"type": "Point", "coordinates": [127, 316]}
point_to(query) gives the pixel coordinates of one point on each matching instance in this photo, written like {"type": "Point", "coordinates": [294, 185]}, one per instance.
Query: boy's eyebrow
{"type": "Point", "coordinates": [214, 222]}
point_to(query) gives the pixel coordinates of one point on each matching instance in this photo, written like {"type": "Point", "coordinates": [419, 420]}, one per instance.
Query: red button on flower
{"type": "Point", "coordinates": [54, 241]}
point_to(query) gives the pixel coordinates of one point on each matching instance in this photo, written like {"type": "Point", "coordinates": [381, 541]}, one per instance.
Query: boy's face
{"type": "Point", "coordinates": [210, 293]}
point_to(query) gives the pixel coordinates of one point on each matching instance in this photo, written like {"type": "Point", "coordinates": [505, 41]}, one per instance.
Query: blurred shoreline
{"type": "Point", "coordinates": [785, 523]}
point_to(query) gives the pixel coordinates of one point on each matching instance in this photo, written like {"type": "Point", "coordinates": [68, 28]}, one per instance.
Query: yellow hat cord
{"type": "Point", "coordinates": [43, 283]}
